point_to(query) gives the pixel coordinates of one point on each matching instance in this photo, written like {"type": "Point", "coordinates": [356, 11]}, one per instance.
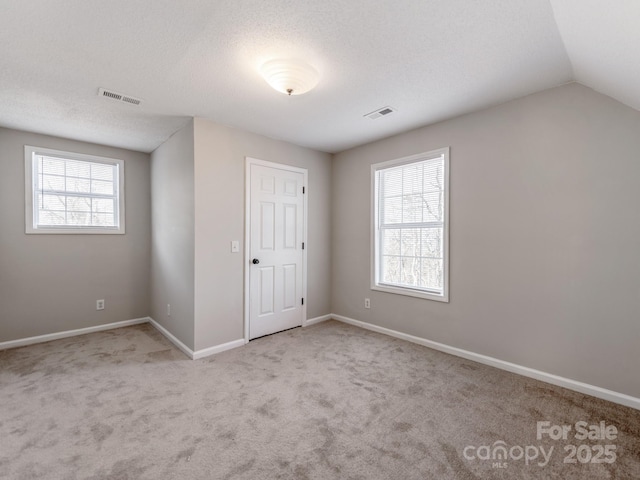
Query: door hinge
{"type": "Point", "coordinates": [303, 245]}
{"type": "Point", "coordinates": [303, 190]}
{"type": "Point", "coordinates": [303, 301]}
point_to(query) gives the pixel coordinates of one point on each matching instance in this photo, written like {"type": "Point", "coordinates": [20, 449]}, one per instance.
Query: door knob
{"type": "Point", "coordinates": [255, 261]}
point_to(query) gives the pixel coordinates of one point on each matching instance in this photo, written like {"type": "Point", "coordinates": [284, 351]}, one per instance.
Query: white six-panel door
{"type": "Point", "coordinates": [276, 236]}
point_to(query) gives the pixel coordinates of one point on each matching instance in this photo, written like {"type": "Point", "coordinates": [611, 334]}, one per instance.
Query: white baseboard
{"type": "Point", "coordinates": [581, 387]}
{"type": "Point", "coordinates": [172, 338]}
{"type": "Point", "coordinates": [313, 321]}
{"type": "Point", "coordinates": [577, 386]}
{"type": "Point", "coordinates": [205, 352]}
{"type": "Point", "coordinates": [22, 342]}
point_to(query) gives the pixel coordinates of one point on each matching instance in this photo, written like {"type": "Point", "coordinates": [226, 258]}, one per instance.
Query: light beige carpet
{"type": "Point", "coordinates": [326, 402]}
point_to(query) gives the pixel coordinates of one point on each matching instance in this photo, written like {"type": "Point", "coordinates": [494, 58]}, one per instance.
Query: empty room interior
{"type": "Point", "coordinates": [320, 240]}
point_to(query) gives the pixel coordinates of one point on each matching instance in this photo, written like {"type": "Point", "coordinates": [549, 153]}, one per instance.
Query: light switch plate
{"type": "Point", "coordinates": [235, 246]}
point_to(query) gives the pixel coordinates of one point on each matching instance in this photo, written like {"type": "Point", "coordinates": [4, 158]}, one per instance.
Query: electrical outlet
{"type": "Point", "coordinates": [99, 304]}
{"type": "Point", "coordinates": [168, 309]}
{"type": "Point", "coordinates": [367, 303]}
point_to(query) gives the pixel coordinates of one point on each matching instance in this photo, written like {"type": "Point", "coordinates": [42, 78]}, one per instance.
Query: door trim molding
{"type": "Point", "coordinates": [249, 161]}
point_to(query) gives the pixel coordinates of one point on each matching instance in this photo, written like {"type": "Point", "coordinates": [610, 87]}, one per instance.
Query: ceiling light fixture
{"type": "Point", "coordinates": [291, 77]}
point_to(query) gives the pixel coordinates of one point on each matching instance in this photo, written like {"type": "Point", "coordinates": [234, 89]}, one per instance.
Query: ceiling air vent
{"type": "Point", "coordinates": [381, 112]}
{"type": "Point", "coordinates": [118, 96]}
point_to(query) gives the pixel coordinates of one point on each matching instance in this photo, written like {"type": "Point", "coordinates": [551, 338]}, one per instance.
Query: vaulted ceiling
{"type": "Point", "coordinates": [428, 59]}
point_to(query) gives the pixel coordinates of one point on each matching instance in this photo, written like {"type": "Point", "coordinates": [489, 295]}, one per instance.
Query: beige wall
{"type": "Point", "coordinates": [173, 244]}
{"type": "Point", "coordinates": [219, 218]}
{"type": "Point", "coordinates": [545, 234]}
{"type": "Point", "coordinates": [50, 283]}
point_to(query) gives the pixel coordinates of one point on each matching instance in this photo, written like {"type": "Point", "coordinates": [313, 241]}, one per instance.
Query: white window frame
{"type": "Point", "coordinates": [31, 187]}
{"type": "Point", "coordinates": [375, 239]}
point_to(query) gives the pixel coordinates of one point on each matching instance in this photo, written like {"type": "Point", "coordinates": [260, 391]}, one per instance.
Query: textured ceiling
{"type": "Point", "coordinates": [429, 59]}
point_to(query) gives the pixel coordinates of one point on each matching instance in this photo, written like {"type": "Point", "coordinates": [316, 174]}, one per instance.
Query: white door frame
{"type": "Point", "coordinates": [247, 235]}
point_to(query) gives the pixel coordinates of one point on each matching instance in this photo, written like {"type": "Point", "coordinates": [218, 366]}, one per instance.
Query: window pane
{"type": "Point", "coordinates": [104, 219]}
{"type": "Point", "coordinates": [78, 185]}
{"type": "Point", "coordinates": [102, 188]}
{"type": "Point", "coordinates": [392, 212]}
{"type": "Point", "coordinates": [78, 169]}
{"type": "Point", "coordinates": [102, 172]}
{"type": "Point", "coordinates": [52, 202]}
{"type": "Point", "coordinates": [410, 271]}
{"type": "Point", "coordinates": [432, 274]}
{"type": "Point", "coordinates": [49, 218]}
{"type": "Point", "coordinates": [51, 182]}
{"type": "Point", "coordinates": [433, 206]}
{"type": "Point", "coordinates": [410, 241]}
{"type": "Point", "coordinates": [53, 166]}
{"type": "Point", "coordinates": [390, 269]}
{"type": "Point", "coordinates": [434, 175]}
{"type": "Point", "coordinates": [411, 208]}
{"type": "Point", "coordinates": [392, 182]}
{"type": "Point", "coordinates": [103, 205]}
{"type": "Point", "coordinates": [412, 178]}
{"type": "Point", "coordinates": [391, 242]}
{"type": "Point", "coordinates": [78, 218]}
{"type": "Point", "coordinates": [431, 242]}
{"type": "Point", "coordinates": [79, 204]}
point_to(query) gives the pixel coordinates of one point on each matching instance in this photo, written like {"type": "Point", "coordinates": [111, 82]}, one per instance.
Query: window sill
{"type": "Point", "coordinates": [74, 231]}
{"type": "Point", "coordinates": [412, 293]}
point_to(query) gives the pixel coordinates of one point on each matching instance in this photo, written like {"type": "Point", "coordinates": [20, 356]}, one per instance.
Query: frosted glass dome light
{"type": "Point", "coordinates": [291, 77]}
